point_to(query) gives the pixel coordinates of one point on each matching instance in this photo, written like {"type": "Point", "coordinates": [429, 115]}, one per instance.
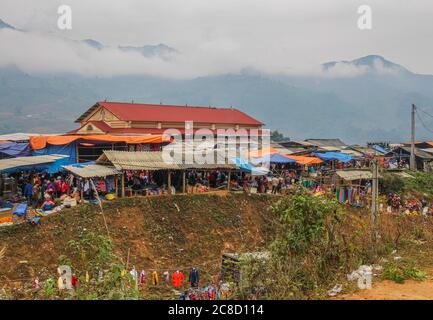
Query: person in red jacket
{"type": "Point", "coordinates": [64, 187]}
{"type": "Point", "coordinates": [74, 280]}
{"type": "Point", "coordinates": [177, 278]}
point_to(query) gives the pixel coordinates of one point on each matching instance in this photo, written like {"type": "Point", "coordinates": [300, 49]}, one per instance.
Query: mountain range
{"type": "Point", "coordinates": [161, 50]}
{"type": "Point", "coordinates": [358, 100]}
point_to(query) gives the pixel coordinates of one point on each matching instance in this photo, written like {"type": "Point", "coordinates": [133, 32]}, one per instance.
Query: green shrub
{"type": "Point", "coordinates": [414, 274]}
{"type": "Point", "coordinates": [399, 274]}
{"type": "Point", "coordinates": [391, 183]}
{"type": "Point", "coordinates": [394, 274]}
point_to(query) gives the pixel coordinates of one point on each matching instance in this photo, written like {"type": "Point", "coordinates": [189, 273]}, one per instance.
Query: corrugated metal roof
{"type": "Point", "coordinates": [29, 161]}
{"type": "Point", "coordinates": [327, 142]}
{"type": "Point", "coordinates": [354, 174]}
{"type": "Point", "coordinates": [429, 150]}
{"type": "Point", "coordinates": [23, 136]}
{"type": "Point", "coordinates": [171, 113]}
{"type": "Point", "coordinates": [351, 152]}
{"type": "Point", "coordinates": [92, 170]}
{"type": "Point", "coordinates": [128, 160]}
{"type": "Point", "coordinates": [418, 153]}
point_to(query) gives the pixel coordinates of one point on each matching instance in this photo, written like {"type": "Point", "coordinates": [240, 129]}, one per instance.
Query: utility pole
{"type": "Point", "coordinates": [412, 140]}
{"type": "Point", "coordinates": [374, 200]}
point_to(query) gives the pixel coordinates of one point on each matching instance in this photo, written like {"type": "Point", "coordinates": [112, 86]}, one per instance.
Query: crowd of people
{"type": "Point", "coordinates": [41, 190]}
{"type": "Point", "coordinates": [411, 206]}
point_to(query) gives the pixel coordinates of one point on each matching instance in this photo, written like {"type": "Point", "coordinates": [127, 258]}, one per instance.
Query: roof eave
{"type": "Point", "coordinates": [85, 114]}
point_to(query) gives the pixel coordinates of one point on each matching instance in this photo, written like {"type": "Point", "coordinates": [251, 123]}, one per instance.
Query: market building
{"type": "Point", "coordinates": [120, 118]}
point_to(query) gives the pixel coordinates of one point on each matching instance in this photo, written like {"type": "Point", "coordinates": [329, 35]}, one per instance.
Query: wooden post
{"type": "Point", "coordinates": [82, 190]}
{"type": "Point", "coordinates": [116, 185]}
{"type": "Point", "coordinates": [228, 181]}
{"type": "Point", "coordinates": [184, 181]}
{"type": "Point", "coordinates": [123, 184]}
{"type": "Point", "coordinates": [412, 159]}
{"type": "Point", "coordinates": [169, 182]}
{"type": "Point", "coordinates": [374, 201]}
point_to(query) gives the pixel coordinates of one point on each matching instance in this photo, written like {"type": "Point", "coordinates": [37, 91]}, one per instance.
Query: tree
{"type": "Point", "coordinates": [277, 136]}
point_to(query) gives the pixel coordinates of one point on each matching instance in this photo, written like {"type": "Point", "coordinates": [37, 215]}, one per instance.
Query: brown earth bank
{"type": "Point", "coordinates": [389, 290]}
{"type": "Point", "coordinates": [169, 233]}
{"type": "Point", "coordinates": [159, 233]}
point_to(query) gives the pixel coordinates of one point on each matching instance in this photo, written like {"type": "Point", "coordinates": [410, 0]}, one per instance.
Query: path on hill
{"type": "Point", "coordinates": [390, 290]}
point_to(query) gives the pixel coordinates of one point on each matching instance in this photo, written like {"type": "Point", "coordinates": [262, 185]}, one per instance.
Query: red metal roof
{"type": "Point", "coordinates": [100, 125]}
{"type": "Point", "coordinates": [172, 113]}
{"type": "Point", "coordinates": [146, 131]}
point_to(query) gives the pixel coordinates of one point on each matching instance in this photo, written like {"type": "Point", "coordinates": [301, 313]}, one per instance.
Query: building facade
{"type": "Point", "coordinates": [119, 118]}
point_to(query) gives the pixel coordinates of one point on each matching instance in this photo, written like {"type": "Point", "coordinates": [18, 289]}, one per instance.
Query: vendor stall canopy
{"type": "Point", "coordinates": [23, 136]}
{"type": "Point", "coordinates": [350, 175]}
{"type": "Point", "coordinates": [303, 160]}
{"type": "Point", "coordinates": [329, 156]}
{"type": "Point", "coordinates": [274, 158]}
{"type": "Point", "coordinates": [13, 149]}
{"type": "Point", "coordinates": [45, 162]}
{"type": "Point", "coordinates": [130, 160]}
{"type": "Point", "coordinates": [247, 167]}
{"type": "Point", "coordinates": [40, 142]}
{"type": "Point", "coordinates": [91, 170]}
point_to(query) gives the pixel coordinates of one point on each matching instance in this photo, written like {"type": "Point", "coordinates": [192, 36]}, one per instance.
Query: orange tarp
{"type": "Point", "coordinates": [6, 219]}
{"type": "Point", "coordinates": [298, 159]}
{"type": "Point", "coordinates": [40, 142]}
{"type": "Point", "coordinates": [304, 159]}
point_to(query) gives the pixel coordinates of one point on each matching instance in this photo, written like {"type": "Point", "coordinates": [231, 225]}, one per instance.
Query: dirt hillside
{"type": "Point", "coordinates": [161, 233]}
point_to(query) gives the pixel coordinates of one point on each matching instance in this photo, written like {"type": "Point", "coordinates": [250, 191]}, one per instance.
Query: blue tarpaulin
{"type": "Point", "coordinates": [328, 156]}
{"type": "Point", "coordinates": [21, 209]}
{"type": "Point", "coordinates": [83, 164]}
{"type": "Point", "coordinates": [66, 149]}
{"type": "Point", "coordinates": [379, 148]}
{"type": "Point", "coordinates": [274, 158]}
{"type": "Point", "coordinates": [247, 167]}
{"type": "Point", "coordinates": [13, 149]}
{"type": "Point", "coordinates": [48, 164]}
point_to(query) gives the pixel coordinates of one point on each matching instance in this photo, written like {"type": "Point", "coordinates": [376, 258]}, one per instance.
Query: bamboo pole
{"type": "Point", "coordinates": [100, 205]}
{"type": "Point", "coordinates": [228, 181]}
{"type": "Point", "coordinates": [123, 184]}
{"type": "Point", "coordinates": [184, 181]}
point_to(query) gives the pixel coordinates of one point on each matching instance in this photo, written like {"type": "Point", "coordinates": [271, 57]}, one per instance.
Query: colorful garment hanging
{"type": "Point", "coordinates": [155, 279]}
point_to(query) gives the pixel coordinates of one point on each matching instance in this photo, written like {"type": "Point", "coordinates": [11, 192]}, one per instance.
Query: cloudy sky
{"type": "Point", "coordinates": [214, 36]}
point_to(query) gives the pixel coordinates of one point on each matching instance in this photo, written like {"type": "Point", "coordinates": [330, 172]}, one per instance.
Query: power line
{"type": "Point", "coordinates": [422, 123]}
{"type": "Point", "coordinates": [425, 112]}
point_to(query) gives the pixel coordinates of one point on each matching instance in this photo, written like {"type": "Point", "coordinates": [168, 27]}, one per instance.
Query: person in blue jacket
{"type": "Point", "coordinates": [28, 193]}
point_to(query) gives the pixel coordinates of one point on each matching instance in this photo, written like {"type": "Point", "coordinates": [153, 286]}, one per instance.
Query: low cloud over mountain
{"type": "Point", "coordinates": [47, 81]}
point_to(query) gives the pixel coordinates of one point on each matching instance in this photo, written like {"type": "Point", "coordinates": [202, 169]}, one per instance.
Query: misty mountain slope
{"type": "Point", "coordinates": [4, 25]}
{"type": "Point", "coordinates": [359, 100]}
